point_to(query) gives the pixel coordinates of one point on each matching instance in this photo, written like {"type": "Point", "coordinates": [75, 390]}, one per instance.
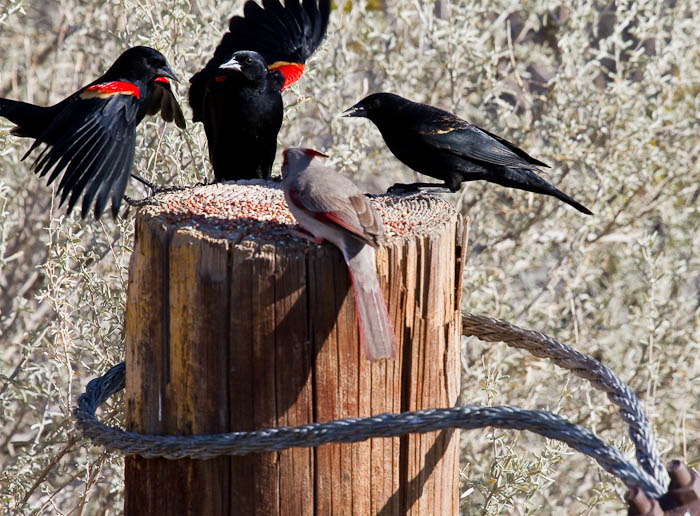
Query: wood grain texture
{"type": "Point", "coordinates": [232, 324]}
{"type": "Point", "coordinates": [146, 361]}
{"type": "Point", "coordinates": [170, 314]}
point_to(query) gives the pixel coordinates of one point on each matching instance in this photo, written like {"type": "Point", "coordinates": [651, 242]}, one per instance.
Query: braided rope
{"type": "Point", "coordinates": [347, 431]}
{"type": "Point", "coordinates": [601, 377]}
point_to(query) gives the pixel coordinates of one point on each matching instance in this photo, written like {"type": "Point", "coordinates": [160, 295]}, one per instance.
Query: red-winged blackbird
{"type": "Point", "coordinates": [90, 136]}
{"type": "Point", "coordinates": [331, 207]}
{"type": "Point", "coordinates": [238, 94]}
{"type": "Point", "coordinates": [441, 145]}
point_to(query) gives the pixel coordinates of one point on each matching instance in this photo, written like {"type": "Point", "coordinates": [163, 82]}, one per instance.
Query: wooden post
{"type": "Point", "coordinates": [233, 324]}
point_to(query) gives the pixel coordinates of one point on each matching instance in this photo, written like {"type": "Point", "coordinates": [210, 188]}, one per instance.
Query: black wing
{"type": "Point", "coordinates": [281, 34]}
{"type": "Point", "coordinates": [472, 142]}
{"type": "Point", "coordinates": [289, 33]}
{"type": "Point", "coordinates": [514, 149]}
{"type": "Point", "coordinates": [91, 144]}
{"type": "Point", "coordinates": [163, 100]}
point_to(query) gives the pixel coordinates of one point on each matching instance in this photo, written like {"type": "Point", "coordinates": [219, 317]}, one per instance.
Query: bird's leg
{"type": "Point", "coordinates": [155, 190]}
{"type": "Point", "coordinates": [401, 188]}
{"type": "Point", "coordinates": [143, 181]}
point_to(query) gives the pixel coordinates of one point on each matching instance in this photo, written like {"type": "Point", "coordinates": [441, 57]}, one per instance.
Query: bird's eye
{"type": "Point", "coordinates": [248, 60]}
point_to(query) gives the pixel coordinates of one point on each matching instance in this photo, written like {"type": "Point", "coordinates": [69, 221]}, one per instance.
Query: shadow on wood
{"type": "Point", "coordinates": [232, 324]}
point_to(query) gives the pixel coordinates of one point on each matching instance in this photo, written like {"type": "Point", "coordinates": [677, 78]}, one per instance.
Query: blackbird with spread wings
{"type": "Point", "coordinates": [89, 138]}
{"type": "Point", "coordinates": [238, 94]}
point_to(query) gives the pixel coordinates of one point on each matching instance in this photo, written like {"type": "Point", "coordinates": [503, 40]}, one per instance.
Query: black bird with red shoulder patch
{"type": "Point", "coordinates": [238, 94]}
{"type": "Point", "coordinates": [89, 138]}
{"type": "Point", "coordinates": [441, 145]}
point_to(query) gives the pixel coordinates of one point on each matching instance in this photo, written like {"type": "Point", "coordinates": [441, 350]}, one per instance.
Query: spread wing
{"type": "Point", "coordinates": [163, 100]}
{"type": "Point", "coordinates": [443, 130]}
{"type": "Point", "coordinates": [289, 33]}
{"type": "Point", "coordinates": [285, 36]}
{"type": "Point", "coordinates": [90, 144]}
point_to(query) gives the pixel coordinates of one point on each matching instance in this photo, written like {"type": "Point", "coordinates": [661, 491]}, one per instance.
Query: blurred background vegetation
{"type": "Point", "coordinates": [605, 91]}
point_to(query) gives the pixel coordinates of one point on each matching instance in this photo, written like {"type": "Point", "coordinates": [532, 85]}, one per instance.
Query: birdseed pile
{"type": "Point", "coordinates": [257, 209]}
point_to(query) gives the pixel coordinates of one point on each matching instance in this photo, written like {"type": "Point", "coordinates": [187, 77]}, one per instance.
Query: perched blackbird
{"type": "Point", "coordinates": [90, 136]}
{"type": "Point", "coordinates": [238, 95]}
{"type": "Point", "coordinates": [331, 207]}
{"type": "Point", "coordinates": [441, 145]}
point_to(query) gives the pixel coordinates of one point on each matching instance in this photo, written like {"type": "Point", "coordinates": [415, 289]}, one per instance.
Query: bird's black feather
{"type": "Point", "coordinates": [474, 143]}
{"type": "Point", "coordinates": [102, 163]}
{"type": "Point", "coordinates": [78, 140]}
{"type": "Point", "coordinates": [289, 33]}
{"type": "Point", "coordinates": [439, 144]}
{"type": "Point", "coordinates": [242, 110]}
{"type": "Point", "coordinates": [164, 100]}
{"type": "Point", "coordinates": [88, 138]}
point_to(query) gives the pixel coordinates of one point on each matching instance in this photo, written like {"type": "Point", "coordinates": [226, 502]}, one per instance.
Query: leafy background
{"type": "Point", "coordinates": [606, 92]}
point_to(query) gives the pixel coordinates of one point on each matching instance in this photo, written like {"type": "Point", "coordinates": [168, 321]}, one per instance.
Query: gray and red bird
{"type": "Point", "coordinates": [238, 94]}
{"type": "Point", "coordinates": [441, 145]}
{"type": "Point", "coordinates": [89, 138]}
{"type": "Point", "coordinates": [330, 207]}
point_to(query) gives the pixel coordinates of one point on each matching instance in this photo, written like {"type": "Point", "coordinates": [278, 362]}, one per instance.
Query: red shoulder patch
{"type": "Point", "coordinates": [107, 89]}
{"type": "Point", "coordinates": [291, 71]}
{"type": "Point", "coordinates": [162, 79]}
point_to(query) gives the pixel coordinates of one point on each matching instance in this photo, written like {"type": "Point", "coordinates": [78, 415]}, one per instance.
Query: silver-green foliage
{"type": "Point", "coordinates": [607, 93]}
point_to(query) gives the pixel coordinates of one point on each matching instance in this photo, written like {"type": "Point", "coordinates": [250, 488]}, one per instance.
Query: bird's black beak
{"type": "Point", "coordinates": [356, 110]}
{"type": "Point", "coordinates": [166, 71]}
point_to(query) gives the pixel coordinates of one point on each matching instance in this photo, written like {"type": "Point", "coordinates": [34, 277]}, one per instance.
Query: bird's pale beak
{"type": "Point", "coordinates": [166, 71]}
{"type": "Point", "coordinates": [355, 111]}
{"type": "Point", "coordinates": [231, 64]}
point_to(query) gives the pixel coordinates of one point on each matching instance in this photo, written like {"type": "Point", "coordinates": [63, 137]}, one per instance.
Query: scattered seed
{"type": "Point", "coordinates": [257, 209]}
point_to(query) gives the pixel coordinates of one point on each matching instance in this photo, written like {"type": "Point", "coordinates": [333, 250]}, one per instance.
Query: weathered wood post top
{"type": "Point", "coordinates": [234, 324]}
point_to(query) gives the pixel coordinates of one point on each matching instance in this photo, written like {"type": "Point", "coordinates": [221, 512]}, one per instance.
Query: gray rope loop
{"type": "Point", "coordinates": [583, 366]}
{"type": "Point", "coordinates": [349, 430]}
{"type": "Point", "coordinates": [653, 479]}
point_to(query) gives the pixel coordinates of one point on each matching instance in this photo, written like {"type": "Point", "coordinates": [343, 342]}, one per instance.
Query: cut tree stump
{"type": "Point", "coordinates": [233, 324]}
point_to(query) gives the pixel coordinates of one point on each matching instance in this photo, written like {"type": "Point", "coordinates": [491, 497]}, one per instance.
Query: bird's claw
{"type": "Point", "coordinates": [155, 189]}
{"type": "Point", "coordinates": [137, 203]}
{"type": "Point", "coordinates": [167, 189]}
{"type": "Point", "coordinates": [401, 188]}
{"type": "Point", "coordinates": [404, 189]}
{"type": "Point", "coordinates": [150, 199]}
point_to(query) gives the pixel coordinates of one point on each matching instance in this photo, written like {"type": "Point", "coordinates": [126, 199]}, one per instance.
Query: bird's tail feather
{"type": "Point", "coordinates": [525, 179]}
{"type": "Point", "coordinates": [376, 331]}
{"type": "Point", "coordinates": [29, 119]}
